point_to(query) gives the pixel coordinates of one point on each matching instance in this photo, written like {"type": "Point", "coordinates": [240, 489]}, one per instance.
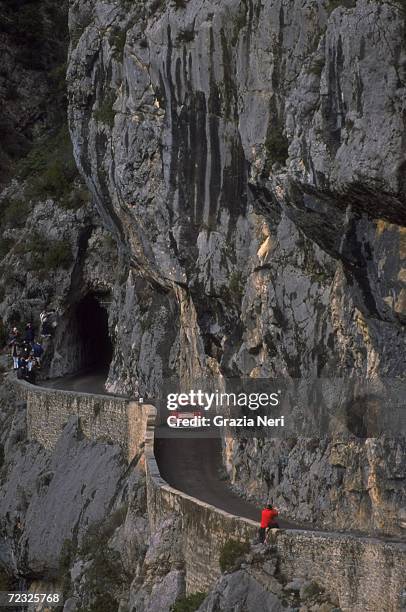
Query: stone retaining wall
{"type": "Point", "coordinates": [118, 420]}
{"type": "Point", "coordinates": [204, 528]}
{"type": "Point", "coordinates": [367, 575]}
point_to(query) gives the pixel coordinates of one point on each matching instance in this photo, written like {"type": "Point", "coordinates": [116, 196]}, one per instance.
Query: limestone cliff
{"type": "Point", "coordinates": [249, 158]}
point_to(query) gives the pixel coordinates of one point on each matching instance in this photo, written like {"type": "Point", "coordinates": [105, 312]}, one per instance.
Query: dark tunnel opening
{"type": "Point", "coordinates": [92, 324]}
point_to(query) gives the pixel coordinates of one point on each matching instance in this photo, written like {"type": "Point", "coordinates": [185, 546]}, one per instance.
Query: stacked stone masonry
{"type": "Point", "coordinates": [114, 419]}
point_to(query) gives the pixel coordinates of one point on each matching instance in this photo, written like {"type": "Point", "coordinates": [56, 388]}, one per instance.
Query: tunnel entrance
{"type": "Point", "coordinates": [92, 325]}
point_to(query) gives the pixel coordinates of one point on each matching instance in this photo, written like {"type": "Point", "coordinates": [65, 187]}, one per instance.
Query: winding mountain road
{"type": "Point", "coordinates": [192, 464]}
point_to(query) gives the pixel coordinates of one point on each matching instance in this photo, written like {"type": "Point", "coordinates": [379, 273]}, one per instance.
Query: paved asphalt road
{"type": "Point", "coordinates": [188, 463]}
{"type": "Point", "coordinates": [85, 383]}
{"type": "Point", "coordinates": [194, 466]}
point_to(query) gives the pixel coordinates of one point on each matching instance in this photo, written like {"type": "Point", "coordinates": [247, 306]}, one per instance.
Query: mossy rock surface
{"type": "Point", "coordinates": [232, 553]}
{"type": "Point", "coordinates": [190, 603]}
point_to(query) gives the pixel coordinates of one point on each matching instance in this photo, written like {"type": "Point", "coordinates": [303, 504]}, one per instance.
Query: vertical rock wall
{"type": "Point", "coordinates": [249, 157]}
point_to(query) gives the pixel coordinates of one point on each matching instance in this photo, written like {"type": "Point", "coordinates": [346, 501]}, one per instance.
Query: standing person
{"type": "Point", "coordinates": [14, 344]}
{"type": "Point", "coordinates": [37, 351]}
{"type": "Point", "coordinates": [29, 333]}
{"type": "Point", "coordinates": [25, 349]}
{"type": "Point", "coordinates": [31, 369]}
{"type": "Point", "coordinates": [15, 354]}
{"type": "Point", "coordinates": [22, 368]}
{"type": "Point", "coordinates": [268, 516]}
{"type": "Point", "coordinates": [46, 328]}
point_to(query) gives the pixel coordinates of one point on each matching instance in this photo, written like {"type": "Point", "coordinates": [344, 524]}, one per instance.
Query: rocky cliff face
{"type": "Point", "coordinates": [38, 484]}
{"type": "Point", "coordinates": [233, 147]}
{"type": "Point", "coordinates": [66, 513]}
{"type": "Point", "coordinates": [249, 158]}
{"type": "Point", "coordinates": [33, 40]}
{"type": "Point", "coordinates": [53, 251]}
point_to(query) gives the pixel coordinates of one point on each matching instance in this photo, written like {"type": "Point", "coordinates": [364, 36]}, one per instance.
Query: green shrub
{"type": "Point", "coordinates": [317, 65]}
{"type": "Point", "coordinates": [109, 242]}
{"type": "Point", "coordinates": [57, 79]}
{"type": "Point", "coordinates": [50, 168]}
{"type": "Point", "coordinates": [310, 590]}
{"type": "Point", "coordinates": [106, 574]}
{"type": "Point", "coordinates": [56, 180]}
{"type": "Point", "coordinates": [46, 254]}
{"type": "Point", "coordinates": [333, 4]}
{"type": "Point", "coordinates": [38, 30]}
{"type": "Point", "coordinates": [105, 113]}
{"type": "Point", "coordinates": [103, 602]}
{"type": "Point", "coordinates": [189, 603]}
{"type": "Point", "coordinates": [67, 555]}
{"type": "Point", "coordinates": [276, 145]}
{"type": "Point", "coordinates": [59, 255]}
{"type": "Point", "coordinates": [117, 40]}
{"type": "Point", "coordinates": [102, 531]}
{"type": "Point", "coordinates": [30, 23]}
{"type": "Point", "coordinates": [14, 213]}
{"type": "Point", "coordinates": [239, 22]}
{"type": "Point", "coordinates": [231, 552]}
{"type": "Point", "coordinates": [180, 4]}
{"type": "Point", "coordinates": [236, 285]}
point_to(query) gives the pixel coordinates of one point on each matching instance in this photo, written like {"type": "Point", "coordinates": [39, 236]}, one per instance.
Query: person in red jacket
{"type": "Point", "coordinates": [268, 521]}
